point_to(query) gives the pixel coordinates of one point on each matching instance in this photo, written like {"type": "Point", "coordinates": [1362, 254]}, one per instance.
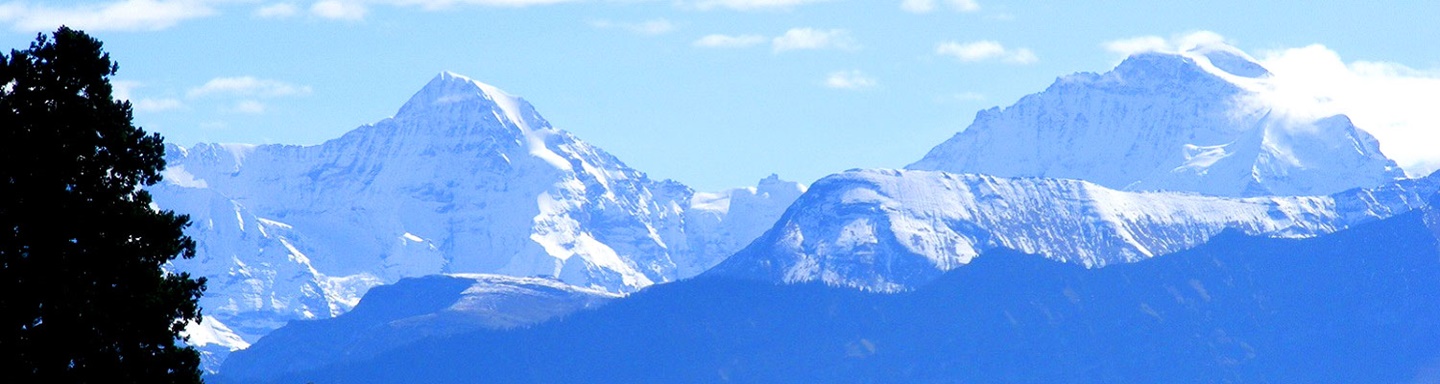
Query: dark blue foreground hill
{"type": "Point", "coordinates": [1362, 305]}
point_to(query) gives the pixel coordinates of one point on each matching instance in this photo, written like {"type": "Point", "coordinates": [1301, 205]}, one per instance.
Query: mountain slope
{"type": "Point", "coordinates": [1354, 306]}
{"type": "Point", "coordinates": [1193, 121]}
{"type": "Point", "coordinates": [718, 224]}
{"type": "Point", "coordinates": [394, 315]}
{"type": "Point", "coordinates": [465, 178]}
{"type": "Point", "coordinates": [895, 230]}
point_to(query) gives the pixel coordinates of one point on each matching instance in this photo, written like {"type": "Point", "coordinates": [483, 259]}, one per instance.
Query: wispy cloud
{"type": "Point", "coordinates": [985, 50]}
{"type": "Point", "coordinates": [852, 79]}
{"type": "Point", "coordinates": [649, 27]}
{"type": "Point", "coordinates": [751, 5]}
{"type": "Point", "coordinates": [148, 105]}
{"type": "Point", "coordinates": [1391, 101]}
{"type": "Point", "coordinates": [729, 41]}
{"type": "Point", "coordinates": [339, 10]}
{"type": "Point", "coordinates": [794, 39]}
{"type": "Point", "coordinates": [1176, 43]}
{"type": "Point", "coordinates": [250, 107]}
{"type": "Point", "coordinates": [354, 10]}
{"type": "Point", "coordinates": [813, 39]}
{"type": "Point", "coordinates": [247, 86]}
{"type": "Point", "coordinates": [120, 15]}
{"type": "Point", "coordinates": [441, 4]}
{"type": "Point", "coordinates": [125, 90]}
{"type": "Point", "coordinates": [244, 94]}
{"type": "Point", "coordinates": [277, 11]}
{"type": "Point", "coordinates": [927, 6]}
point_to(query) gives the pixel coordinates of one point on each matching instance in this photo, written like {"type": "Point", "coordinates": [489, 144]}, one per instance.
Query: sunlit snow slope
{"type": "Point", "coordinates": [465, 178]}
{"type": "Point", "coordinates": [1196, 121]}
{"type": "Point", "coordinates": [888, 231]}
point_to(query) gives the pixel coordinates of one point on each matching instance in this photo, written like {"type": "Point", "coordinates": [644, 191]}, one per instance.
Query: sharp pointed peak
{"type": "Point", "coordinates": [449, 89]}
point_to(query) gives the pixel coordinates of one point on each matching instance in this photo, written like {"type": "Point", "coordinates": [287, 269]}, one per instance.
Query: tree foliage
{"type": "Point", "coordinates": [83, 293]}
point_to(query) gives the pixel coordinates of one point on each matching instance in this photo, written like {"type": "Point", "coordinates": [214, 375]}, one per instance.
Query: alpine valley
{"type": "Point", "coordinates": [1156, 222]}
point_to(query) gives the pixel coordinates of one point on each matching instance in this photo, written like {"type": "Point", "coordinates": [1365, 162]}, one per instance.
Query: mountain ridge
{"type": "Point", "coordinates": [894, 230]}
{"type": "Point", "coordinates": [1343, 306]}
{"type": "Point", "coordinates": [1168, 122]}
{"type": "Point", "coordinates": [465, 178]}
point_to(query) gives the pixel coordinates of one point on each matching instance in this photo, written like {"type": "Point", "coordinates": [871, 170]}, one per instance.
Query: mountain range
{"type": "Point", "coordinates": [889, 231]}
{"type": "Point", "coordinates": [1357, 305]}
{"type": "Point", "coordinates": [465, 178]}
{"type": "Point", "coordinates": [468, 195]}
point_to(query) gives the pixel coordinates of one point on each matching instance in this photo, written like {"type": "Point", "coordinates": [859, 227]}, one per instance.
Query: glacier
{"type": "Point", "coordinates": [1194, 121]}
{"type": "Point", "coordinates": [465, 178]}
{"type": "Point", "coordinates": [895, 230]}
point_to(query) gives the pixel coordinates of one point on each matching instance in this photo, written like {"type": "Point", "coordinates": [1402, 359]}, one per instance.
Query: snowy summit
{"type": "Point", "coordinates": [1192, 121]}
{"type": "Point", "coordinates": [465, 178]}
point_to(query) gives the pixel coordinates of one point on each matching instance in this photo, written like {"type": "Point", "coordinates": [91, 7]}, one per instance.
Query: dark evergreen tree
{"type": "Point", "coordinates": [83, 296]}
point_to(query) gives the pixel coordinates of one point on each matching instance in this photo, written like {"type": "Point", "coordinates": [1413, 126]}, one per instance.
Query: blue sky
{"type": "Point", "coordinates": [717, 93]}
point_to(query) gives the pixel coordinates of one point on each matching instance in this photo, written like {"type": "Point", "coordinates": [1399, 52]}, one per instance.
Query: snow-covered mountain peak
{"type": "Point", "coordinates": [887, 230]}
{"type": "Point", "coordinates": [1227, 60]}
{"type": "Point", "coordinates": [466, 178]}
{"type": "Point", "coordinates": [1157, 71]}
{"type": "Point", "coordinates": [773, 184]}
{"type": "Point", "coordinates": [449, 92]}
{"type": "Point", "coordinates": [1196, 121]}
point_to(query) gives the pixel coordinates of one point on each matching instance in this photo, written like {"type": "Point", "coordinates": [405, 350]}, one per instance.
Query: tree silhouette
{"type": "Point", "coordinates": [83, 296]}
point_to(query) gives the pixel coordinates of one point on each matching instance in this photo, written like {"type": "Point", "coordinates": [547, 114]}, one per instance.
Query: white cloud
{"type": "Point", "coordinates": [125, 90]}
{"type": "Point", "coordinates": [918, 6]}
{"type": "Point", "coordinates": [985, 50]}
{"type": "Point", "coordinates": [810, 39]}
{"type": "Point", "coordinates": [926, 6]}
{"type": "Point", "coordinates": [751, 5]}
{"type": "Point", "coordinates": [442, 4]}
{"type": "Point", "coordinates": [1177, 43]}
{"type": "Point", "coordinates": [148, 105]}
{"type": "Point", "coordinates": [852, 79]}
{"type": "Point", "coordinates": [357, 9]}
{"type": "Point", "coordinates": [1393, 102]}
{"type": "Point", "coordinates": [277, 11]}
{"type": "Point", "coordinates": [247, 86]}
{"type": "Point", "coordinates": [252, 107]}
{"type": "Point", "coordinates": [727, 41]}
{"type": "Point", "coordinates": [120, 15]}
{"type": "Point", "coordinates": [964, 5]}
{"type": "Point", "coordinates": [650, 27]}
{"type": "Point", "coordinates": [792, 40]}
{"type": "Point", "coordinates": [339, 9]}
{"type": "Point", "coordinates": [1139, 44]}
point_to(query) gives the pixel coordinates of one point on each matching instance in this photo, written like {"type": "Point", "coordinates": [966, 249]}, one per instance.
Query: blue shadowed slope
{"type": "Point", "coordinates": [1357, 306]}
